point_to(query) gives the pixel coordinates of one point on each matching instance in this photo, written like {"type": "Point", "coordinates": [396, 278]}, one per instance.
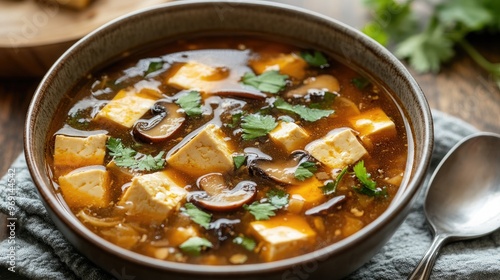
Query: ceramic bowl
{"type": "Point", "coordinates": [178, 19]}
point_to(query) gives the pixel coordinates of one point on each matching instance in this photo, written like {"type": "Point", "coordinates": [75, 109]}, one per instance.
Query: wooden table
{"type": "Point", "coordinates": [461, 89]}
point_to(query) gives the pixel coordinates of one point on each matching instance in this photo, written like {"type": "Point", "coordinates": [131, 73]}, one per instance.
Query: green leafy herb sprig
{"type": "Point", "coordinates": [367, 186]}
{"type": "Point", "coordinates": [428, 46]}
{"type": "Point", "coordinates": [277, 199]}
{"type": "Point", "coordinates": [129, 158]}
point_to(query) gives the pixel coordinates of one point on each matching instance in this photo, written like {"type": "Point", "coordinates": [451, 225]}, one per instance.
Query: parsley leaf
{"type": "Point", "coordinates": [305, 170]}
{"type": "Point", "coordinates": [256, 125]}
{"type": "Point", "coordinates": [278, 198]}
{"type": "Point", "coordinates": [127, 157]}
{"type": "Point", "coordinates": [191, 103]}
{"type": "Point", "coordinates": [269, 81]}
{"type": "Point", "coordinates": [307, 114]}
{"type": "Point", "coordinates": [247, 242]}
{"type": "Point", "coordinates": [261, 211]}
{"type": "Point", "coordinates": [194, 245]}
{"type": "Point", "coordinates": [316, 59]}
{"type": "Point", "coordinates": [368, 186]}
{"type": "Point", "coordinates": [331, 187]}
{"type": "Point", "coordinates": [198, 216]}
{"type": "Point", "coordinates": [239, 160]}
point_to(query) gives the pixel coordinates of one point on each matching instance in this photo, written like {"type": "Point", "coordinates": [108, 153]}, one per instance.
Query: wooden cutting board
{"type": "Point", "coordinates": [34, 35]}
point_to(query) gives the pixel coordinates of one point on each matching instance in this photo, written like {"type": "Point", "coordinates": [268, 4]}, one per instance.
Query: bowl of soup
{"type": "Point", "coordinates": [209, 140]}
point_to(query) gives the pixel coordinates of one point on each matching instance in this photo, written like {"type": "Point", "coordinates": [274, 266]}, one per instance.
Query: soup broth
{"type": "Point", "coordinates": [227, 150]}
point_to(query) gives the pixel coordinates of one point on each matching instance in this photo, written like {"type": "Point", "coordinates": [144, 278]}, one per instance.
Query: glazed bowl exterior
{"type": "Point", "coordinates": [193, 17]}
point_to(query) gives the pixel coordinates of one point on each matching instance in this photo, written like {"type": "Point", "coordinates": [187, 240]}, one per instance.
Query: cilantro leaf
{"type": "Point", "coordinates": [247, 242]}
{"type": "Point", "coordinates": [198, 216]}
{"type": "Point", "coordinates": [427, 46]}
{"type": "Point", "coordinates": [465, 12]}
{"type": "Point", "coordinates": [239, 160]}
{"type": "Point", "coordinates": [368, 186]}
{"type": "Point", "coordinates": [269, 81]}
{"type": "Point", "coordinates": [153, 67]}
{"type": "Point", "coordinates": [256, 125]}
{"type": "Point", "coordinates": [305, 170]}
{"type": "Point", "coordinates": [191, 103]}
{"type": "Point", "coordinates": [307, 114]}
{"type": "Point", "coordinates": [278, 198]}
{"type": "Point", "coordinates": [150, 163]}
{"type": "Point", "coordinates": [194, 245]}
{"type": "Point", "coordinates": [426, 51]}
{"type": "Point", "coordinates": [331, 187]}
{"type": "Point", "coordinates": [261, 211]}
{"type": "Point", "coordinates": [127, 157]}
{"type": "Point", "coordinates": [316, 59]}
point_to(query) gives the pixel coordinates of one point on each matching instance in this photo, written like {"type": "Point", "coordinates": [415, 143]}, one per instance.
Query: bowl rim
{"type": "Point", "coordinates": [53, 202]}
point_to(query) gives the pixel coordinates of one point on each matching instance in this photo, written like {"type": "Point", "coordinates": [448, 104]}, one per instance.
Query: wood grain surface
{"type": "Point", "coordinates": [461, 89]}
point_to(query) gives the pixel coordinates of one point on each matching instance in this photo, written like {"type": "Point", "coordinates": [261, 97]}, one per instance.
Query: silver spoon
{"type": "Point", "coordinates": [463, 199]}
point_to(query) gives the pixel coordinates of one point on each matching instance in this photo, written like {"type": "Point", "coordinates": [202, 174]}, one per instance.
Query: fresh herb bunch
{"type": "Point", "coordinates": [426, 47]}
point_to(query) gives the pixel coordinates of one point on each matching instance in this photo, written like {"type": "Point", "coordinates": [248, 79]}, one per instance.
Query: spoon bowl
{"type": "Point", "coordinates": [463, 199]}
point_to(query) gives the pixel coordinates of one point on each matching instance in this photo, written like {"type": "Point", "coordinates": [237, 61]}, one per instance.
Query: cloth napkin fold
{"type": "Point", "coordinates": [41, 251]}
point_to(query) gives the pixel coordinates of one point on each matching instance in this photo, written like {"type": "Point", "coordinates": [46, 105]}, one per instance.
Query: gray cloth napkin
{"type": "Point", "coordinates": [41, 251]}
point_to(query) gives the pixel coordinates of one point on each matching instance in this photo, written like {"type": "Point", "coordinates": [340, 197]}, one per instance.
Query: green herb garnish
{"type": "Point", "coordinates": [127, 157]}
{"type": "Point", "coordinates": [197, 215]}
{"type": "Point", "coordinates": [305, 170]}
{"type": "Point", "coordinates": [307, 114]}
{"type": "Point", "coordinates": [256, 125]}
{"type": "Point", "coordinates": [239, 161]}
{"type": "Point", "coordinates": [191, 103]}
{"type": "Point", "coordinates": [427, 46]}
{"type": "Point", "coordinates": [316, 59]}
{"type": "Point", "coordinates": [154, 66]}
{"type": "Point", "coordinates": [331, 187]}
{"type": "Point", "coordinates": [195, 245]}
{"type": "Point", "coordinates": [261, 211]}
{"type": "Point", "coordinates": [368, 186]}
{"type": "Point", "coordinates": [278, 198]}
{"type": "Point", "coordinates": [247, 242]}
{"type": "Point", "coordinates": [269, 81]}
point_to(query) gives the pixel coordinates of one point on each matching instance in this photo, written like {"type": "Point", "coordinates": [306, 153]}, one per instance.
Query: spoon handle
{"type": "Point", "coordinates": [424, 267]}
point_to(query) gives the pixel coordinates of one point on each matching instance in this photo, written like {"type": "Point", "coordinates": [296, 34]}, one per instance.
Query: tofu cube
{"type": "Point", "coordinates": [127, 107]}
{"type": "Point", "coordinates": [373, 124]}
{"type": "Point", "coordinates": [290, 136]}
{"type": "Point", "coordinates": [337, 149]}
{"type": "Point", "coordinates": [152, 197]}
{"type": "Point", "coordinates": [86, 187]}
{"type": "Point", "coordinates": [71, 152]}
{"type": "Point", "coordinates": [206, 152]}
{"type": "Point", "coordinates": [282, 236]}
{"type": "Point", "coordinates": [288, 64]}
{"type": "Point", "coordinates": [195, 76]}
{"type": "Point", "coordinates": [309, 193]}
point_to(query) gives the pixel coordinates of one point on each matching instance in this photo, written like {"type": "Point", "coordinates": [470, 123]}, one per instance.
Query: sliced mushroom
{"type": "Point", "coordinates": [282, 172]}
{"type": "Point", "coordinates": [319, 83]}
{"type": "Point", "coordinates": [212, 183]}
{"type": "Point", "coordinates": [325, 206]}
{"type": "Point", "coordinates": [166, 121]}
{"type": "Point", "coordinates": [224, 199]}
